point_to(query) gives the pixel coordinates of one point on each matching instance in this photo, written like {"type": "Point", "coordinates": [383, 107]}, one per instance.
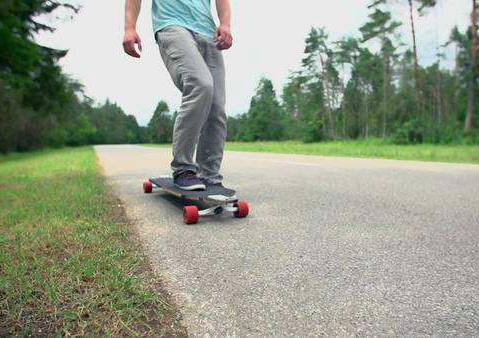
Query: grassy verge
{"type": "Point", "coordinates": [370, 149]}
{"type": "Point", "coordinates": [69, 264]}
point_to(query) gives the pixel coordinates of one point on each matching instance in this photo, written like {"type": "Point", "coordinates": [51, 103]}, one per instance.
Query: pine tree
{"type": "Point", "coordinates": [381, 26]}
{"type": "Point", "coordinates": [347, 53]}
{"type": "Point", "coordinates": [319, 62]}
{"type": "Point", "coordinates": [265, 117]}
{"type": "Point", "coordinates": [474, 70]}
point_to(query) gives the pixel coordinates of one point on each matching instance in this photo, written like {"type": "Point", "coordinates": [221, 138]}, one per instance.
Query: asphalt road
{"type": "Point", "coordinates": [333, 246]}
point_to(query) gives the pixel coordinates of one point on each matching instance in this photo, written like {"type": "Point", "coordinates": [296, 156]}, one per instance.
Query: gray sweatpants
{"type": "Point", "coordinates": [197, 69]}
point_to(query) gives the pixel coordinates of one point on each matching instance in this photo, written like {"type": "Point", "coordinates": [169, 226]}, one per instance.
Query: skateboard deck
{"type": "Point", "coordinates": [218, 199]}
{"type": "Point", "coordinates": [211, 194]}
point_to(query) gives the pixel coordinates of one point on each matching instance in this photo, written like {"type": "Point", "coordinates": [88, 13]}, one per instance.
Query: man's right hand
{"type": "Point", "coordinates": [130, 41]}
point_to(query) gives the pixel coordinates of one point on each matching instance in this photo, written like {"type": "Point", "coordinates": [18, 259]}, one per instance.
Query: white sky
{"type": "Point", "coordinates": [268, 41]}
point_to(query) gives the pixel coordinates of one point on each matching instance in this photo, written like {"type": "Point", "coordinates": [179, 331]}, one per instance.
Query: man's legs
{"type": "Point", "coordinates": [180, 52]}
{"type": "Point", "coordinates": [213, 135]}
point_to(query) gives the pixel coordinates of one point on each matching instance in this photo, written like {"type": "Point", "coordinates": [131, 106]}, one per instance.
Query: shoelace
{"type": "Point", "coordinates": [188, 174]}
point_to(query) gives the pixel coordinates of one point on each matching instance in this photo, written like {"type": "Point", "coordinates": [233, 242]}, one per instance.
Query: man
{"type": "Point", "coordinates": [190, 46]}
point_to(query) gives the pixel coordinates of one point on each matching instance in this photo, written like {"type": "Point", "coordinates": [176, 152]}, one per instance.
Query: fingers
{"type": "Point", "coordinates": [219, 37]}
{"type": "Point", "coordinates": [223, 38]}
{"type": "Point", "coordinates": [129, 46]}
{"type": "Point", "coordinates": [229, 40]}
{"type": "Point", "coordinates": [225, 42]}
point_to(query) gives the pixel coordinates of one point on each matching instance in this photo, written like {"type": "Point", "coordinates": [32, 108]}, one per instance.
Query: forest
{"type": "Point", "coordinates": [40, 106]}
{"type": "Point", "coordinates": [344, 89]}
{"type": "Point", "coordinates": [388, 93]}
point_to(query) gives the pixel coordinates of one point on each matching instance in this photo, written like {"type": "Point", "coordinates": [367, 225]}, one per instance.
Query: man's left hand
{"type": "Point", "coordinates": [223, 37]}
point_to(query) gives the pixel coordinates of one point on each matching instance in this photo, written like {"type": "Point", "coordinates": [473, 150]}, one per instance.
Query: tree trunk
{"type": "Point", "coordinates": [329, 105]}
{"type": "Point", "coordinates": [472, 81]}
{"type": "Point", "coordinates": [343, 108]}
{"type": "Point", "coordinates": [387, 91]}
{"type": "Point", "coordinates": [470, 106]}
{"type": "Point", "coordinates": [366, 106]}
{"type": "Point", "coordinates": [324, 66]}
{"type": "Point", "coordinates": [439, 97]}
{"type": "Point", "coordinates": [366, 129]}
{"type": "Point", "coordinates": [455, 100]}
{"type": "Point", "coordinates": [416, 62]}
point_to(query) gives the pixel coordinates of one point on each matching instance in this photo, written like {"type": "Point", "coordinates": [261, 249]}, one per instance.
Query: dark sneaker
{"type": "Point", "coordinates": [187, 180]}
{"type": "Point", "coordinates": [206, 182]}
{"type": "Point", "coordinates": [219, 184]}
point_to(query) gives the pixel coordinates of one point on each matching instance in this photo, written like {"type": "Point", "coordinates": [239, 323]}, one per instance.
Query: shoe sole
{"type": "Point", "coordinates": [192, 187]}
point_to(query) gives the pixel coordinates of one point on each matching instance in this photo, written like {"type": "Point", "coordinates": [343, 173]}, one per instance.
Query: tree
{"type": "Point", "coordinates": [264, 119]}
{"type": "Point", "coordinates": [368, 75]}
{"type": "Point", "coordinates": [347, 53]}
{"type": "Point", "coordinates": [319, 62]}
{"type": "Point", "coordinates": [113, 125]}
{"type": "Point", "coordinates": [233, 128]}
{"type": "Point", "coordinates": [42, 98]}
{"type": "Point", "coordinates": [381, 26]}
{"type": "Point", "coordinates": [302, 100]}
{"type": "Point", "coordinates": [160, 127]}
{"type": "Point", "coordinates": [474, 70]}
{"type": "Point", "coordinates": [466, 78]}
{"type": "Point", "coordinates": [422, 5]}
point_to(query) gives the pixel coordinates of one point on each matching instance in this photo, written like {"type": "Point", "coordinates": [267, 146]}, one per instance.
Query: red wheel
{"type": "Point", "coordinates": [243, 209]}
{"type": "Point", "coordinates": [190, 214]}
{"type": "Point", "coordinates": [147, 187]}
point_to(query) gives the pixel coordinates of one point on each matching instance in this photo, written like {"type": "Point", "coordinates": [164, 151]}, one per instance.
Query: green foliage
{"type": "Point", "coordinates": [81, 131]}
{"type": "Point", "coordinates": [343, 90]}
{"type": "Point", "coordinates": [320, 73]}
{"type": "Point", "coordinates": [36, 95]}
{"type": "Point", "coordinates": [110, 125]}
{"type": "Point", "coordinates": [56, 138]}
{"type": "Point", "coordinates": [462, 41]}
{"type": "Point", "coordinates": [160, 127]}
{"type": "Point", "coordinates": [265, 118]}
{"type": "Point", "coordinates": [409, 133]}
{"type": "Point", "coordinates": [425, 4]}
{"type": "Point", "coordinates": [380, 26]}
{"type": "Point", "coordinates": [233, 129]}
{"type": "Point", "coordinates": [346, 90]}
{"type": "Point", "coordinates": [313, 130]}
{"type": "Point", "coordinates": [40, 104]}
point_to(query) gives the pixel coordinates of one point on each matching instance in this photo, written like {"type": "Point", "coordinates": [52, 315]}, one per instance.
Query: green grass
{"type": "Point", "coordinates": [373, 148]}
{"type": "Point", "coordinates": [69, 262]}
{"type": "Point", "coordinates": [368, 149]}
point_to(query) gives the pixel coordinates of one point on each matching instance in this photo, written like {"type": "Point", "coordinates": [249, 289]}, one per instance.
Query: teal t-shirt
{"type": "Point", "coordinates": [194, 15]}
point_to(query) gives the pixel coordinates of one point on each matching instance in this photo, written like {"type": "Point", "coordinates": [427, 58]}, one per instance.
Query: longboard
{"type": "Point", "coordinates": [217, 198]}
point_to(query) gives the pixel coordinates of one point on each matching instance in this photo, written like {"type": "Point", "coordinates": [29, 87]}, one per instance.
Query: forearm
{"type": "Point", "coordinates": [224, 12]}
{"type": "Point", "coordinates": [132, 10]}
